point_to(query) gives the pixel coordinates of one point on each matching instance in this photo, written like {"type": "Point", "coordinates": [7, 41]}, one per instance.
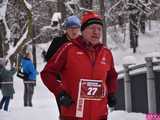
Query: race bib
{"type": "Point", "coordinates": [91, 89]}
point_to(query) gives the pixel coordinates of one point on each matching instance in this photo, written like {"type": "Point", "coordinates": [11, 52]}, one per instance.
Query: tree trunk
{"type": "Point", "coordinates": [143, 20]}
{"type": "Point", "coordinates": [61, 8]}
{"type": "Point", "coordinates": [2, 38]}
{"type": "Point", "coordinates": [34, 48]}
{"type": "Point", "coordinates": [29, 35]}
{"type": "Point", "coordinates": [142, 23]}
{"type": "Point", "coordinates": [102, 8]}
{"type": "Point", "coordinates": [133, 26]}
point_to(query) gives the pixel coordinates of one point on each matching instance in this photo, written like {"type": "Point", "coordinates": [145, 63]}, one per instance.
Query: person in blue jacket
{"type": "Point", "coordinates": [29, 79]}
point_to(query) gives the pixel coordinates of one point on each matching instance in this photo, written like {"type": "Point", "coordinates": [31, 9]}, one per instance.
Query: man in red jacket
{"type": "Point", "coordinates": [89, 79]}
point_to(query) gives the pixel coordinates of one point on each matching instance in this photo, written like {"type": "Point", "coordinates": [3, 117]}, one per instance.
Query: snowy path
{"type": "Point", "coordinates": [45, 107]}
{"type": "Point", "coordinates": [44, 104]}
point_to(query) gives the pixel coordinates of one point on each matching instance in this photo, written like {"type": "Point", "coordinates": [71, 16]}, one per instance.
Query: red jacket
{"type": "Point", "coordinates": [77, 60]}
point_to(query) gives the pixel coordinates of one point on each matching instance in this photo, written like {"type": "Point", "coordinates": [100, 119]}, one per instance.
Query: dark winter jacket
{"type": "Point", "coordinates": [6, 81]}
{"type": "Point", "coordinates": [76, 61]}
{"type": "Point", "coordinates": [55, 45]}
{"type": "Point", "coordinates": [28, 69]}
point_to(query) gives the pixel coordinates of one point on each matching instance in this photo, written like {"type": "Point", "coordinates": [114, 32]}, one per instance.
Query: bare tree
{"type": "Point", "coordinates": [27, 27]}
{"type": "Point", "coordinates": [102, 10]}
{"type": "Point", "coordinates": [61, 8]}
{"type": "Point", "coordinates": [2, 38]}
{"type": "Point", "coordinates": [86, 4]}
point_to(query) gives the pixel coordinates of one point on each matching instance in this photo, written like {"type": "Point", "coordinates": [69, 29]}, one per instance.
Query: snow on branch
{"type": "Point", "coordinates": [72, 6]}
{"type": "Point", "coordinates": [122, 7]}
{"type": "Point", "coordinates": [142, 7]}
{"type": "Point", "coordinates": [41, 33]}
{"type": "Point", "coordinates": [114, 6]}
{"type": "Point", "coordinates": [154, 3]}
{"type": "Point", "coordinates": [48, 27]}
{"type": "Point", "coordinates": [56, 16]}
{"type": "Point", "coordinates": [13, 49]}
{"type": "Point", "coordinates": [29, 6]}
{"type": "Point", "coordinates": [3, 9]}
{"type": "Point", "coordinates": [8, 32]}
{"type": "Point", "coordinates": [68, 5]}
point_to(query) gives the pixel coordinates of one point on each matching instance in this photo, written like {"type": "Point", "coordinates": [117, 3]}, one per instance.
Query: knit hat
{"type": "Point", "coordinates": [72, 22]}
{"type": "Point", "coordinates": [89, 18]}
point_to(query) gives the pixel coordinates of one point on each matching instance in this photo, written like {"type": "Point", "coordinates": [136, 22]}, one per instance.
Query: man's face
{"type": "Point", "coordinates": [93, 33]}
{"type": "Point", "coordinates": [73, 32]}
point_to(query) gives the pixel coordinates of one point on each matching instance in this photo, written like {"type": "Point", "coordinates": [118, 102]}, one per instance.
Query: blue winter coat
{"type": "Point", "coordinates": [28, 68]}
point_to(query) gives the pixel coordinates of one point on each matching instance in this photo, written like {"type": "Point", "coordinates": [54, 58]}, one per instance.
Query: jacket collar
{"type": "Point", "coordinates": [26, 58]}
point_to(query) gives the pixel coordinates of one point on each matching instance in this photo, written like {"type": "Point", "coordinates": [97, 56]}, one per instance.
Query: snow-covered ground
{"type": "Point", "coordinates": [148, 45]}
{"type": "Point", "coordinates": [45, 107]}
{"type": "Point", "coordinates": [44, 104]}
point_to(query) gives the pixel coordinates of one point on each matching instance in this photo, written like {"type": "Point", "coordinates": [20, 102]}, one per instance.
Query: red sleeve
{"type": "Point", "coordinates": [112, 82]}
{"type": "Point", "coordinates": [54, 66]}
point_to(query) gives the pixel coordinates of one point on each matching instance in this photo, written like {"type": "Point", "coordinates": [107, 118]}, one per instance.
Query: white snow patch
{"type": "Point", "coordinates": [154, 55]}
{"type": "Point", "coordinates": [49, 27]}
{"type": "Point", "coordinates": [8, 32]}
{"type": "Point", "coordinates": [129, 60]}
{"type": "Point", "coordinates": [148, 43]}
{"type": "Point", "coordinates": [29, 6]}
{"type": "Point", "coordinates": [56, 16]}
{"type": "Point", "coordinates": [123, 115]}
{"type": "Point", "coordinates": [3, 9]}
{"type": "Point", "coordinates": [13, 49]}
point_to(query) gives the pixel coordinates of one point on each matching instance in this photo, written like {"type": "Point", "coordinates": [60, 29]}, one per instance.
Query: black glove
{"type": "Point", "coordinates": [64, 99]}
{"type": "Point", "coordinates": [112, 101]}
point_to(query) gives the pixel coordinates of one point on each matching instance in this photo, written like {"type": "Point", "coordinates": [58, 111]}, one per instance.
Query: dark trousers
{"type": "Point", "coordinates": [28, 94]}
{"type": "Point", "coordinates": [5, 101]}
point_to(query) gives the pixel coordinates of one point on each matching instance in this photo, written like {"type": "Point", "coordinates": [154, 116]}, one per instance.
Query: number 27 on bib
{"type": "Point", "coordinates": [91, 89]}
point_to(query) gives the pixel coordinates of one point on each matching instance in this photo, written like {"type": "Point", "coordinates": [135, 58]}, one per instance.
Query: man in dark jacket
{"type": "Point", "coordinates": [72, 26]}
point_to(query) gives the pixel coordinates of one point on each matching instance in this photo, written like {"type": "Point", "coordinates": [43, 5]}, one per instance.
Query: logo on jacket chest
{"type": "Point", "coordinates": [103, 60]}
{"type": "Point", "coordinates": [79, 53]}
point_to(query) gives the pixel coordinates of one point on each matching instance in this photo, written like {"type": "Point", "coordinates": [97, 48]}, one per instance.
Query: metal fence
{"type": "Point", "coordinates": [139, 88]}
